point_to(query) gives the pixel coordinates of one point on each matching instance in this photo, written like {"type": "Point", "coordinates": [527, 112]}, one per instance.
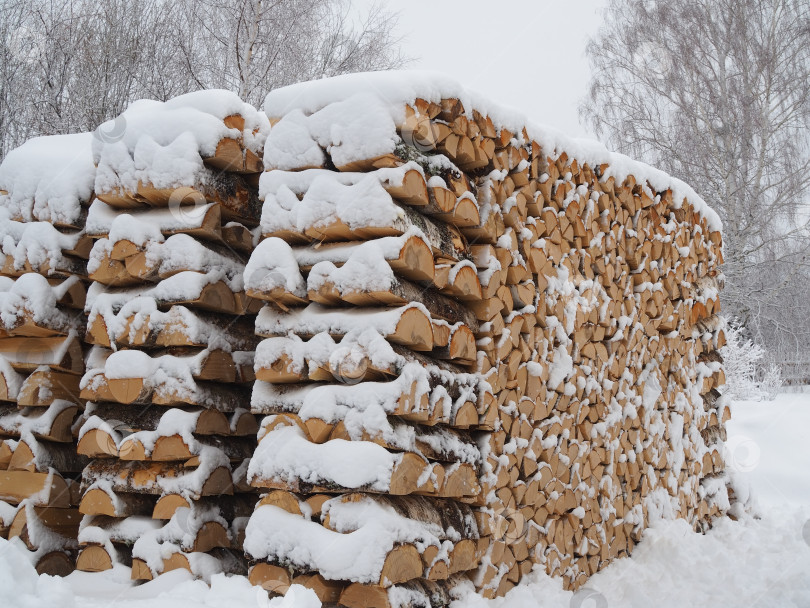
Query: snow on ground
{"type": "Point", "coordinates": [754, 563]}
{"type": "Point", "coordinates": [769, 442]}
{"type": "Point", "coordinates": [20, 587]}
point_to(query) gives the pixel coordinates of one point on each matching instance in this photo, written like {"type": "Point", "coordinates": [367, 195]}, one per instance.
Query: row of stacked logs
{"type": "Point", "coordinates": [167, 430]}
{"type": "Point", "coordinates": [42, 296]}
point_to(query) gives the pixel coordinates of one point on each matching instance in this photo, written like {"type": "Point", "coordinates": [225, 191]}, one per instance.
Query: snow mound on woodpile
{"type": "Point", "coordinates": [354, 117]}
{"type": "Point", "coordinates": [164, 143]}
{"type": "Point", "coordinates": [48, 178]}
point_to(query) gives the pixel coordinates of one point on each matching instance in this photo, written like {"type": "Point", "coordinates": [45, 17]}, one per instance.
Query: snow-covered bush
{"type": "Point", "coordinates": [743, 362]}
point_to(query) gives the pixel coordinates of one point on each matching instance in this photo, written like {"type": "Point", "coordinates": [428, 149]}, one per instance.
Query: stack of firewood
{"type": "Point", "coordinates": [399, 341]}
{"type": "Point", "coordinates": [42, 294]}
{"type": "Point", "coordinates": [167, 387]}
{"type": "Point", "coordinates": [446, 293]}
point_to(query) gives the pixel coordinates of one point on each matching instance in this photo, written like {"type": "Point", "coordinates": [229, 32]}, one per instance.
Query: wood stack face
{"type": "Point", "coordinates": [42, 295]}
{"type": "Point", "coordinates": [167, 428]}
{"type": "Point", "coordinates": [465, 348]}
{"type": "Point", "coordinates": [581, 298]}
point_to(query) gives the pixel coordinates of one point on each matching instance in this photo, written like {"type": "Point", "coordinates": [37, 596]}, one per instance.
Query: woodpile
{"type": "Point", "coordinates": [427, 344]}
{"type": "Point", "coordinates": [42, 295]}
{"type": "Point", "coordinates": [466, 294]}
{"type": "Point", "coordinates": [167, 429]}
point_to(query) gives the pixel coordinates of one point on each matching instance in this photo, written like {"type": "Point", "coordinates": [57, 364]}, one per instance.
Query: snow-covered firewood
{"type": "Point", "coordinates": [139, 323]}
{"type": "Point", "coordinates": [28, 307]}
{"type": "Point", "coordinates": [166, 144]}
{"type": "Point", "coordinates": [29, 354]}
{"type": "Point", "coordinates": [408, 325]}
{"type": "Point", "coordinates": [52, 423]}
{"type": "Point", "coordinates": [212, 475]}
{"type": "Point", "coordinates": [49, 179]}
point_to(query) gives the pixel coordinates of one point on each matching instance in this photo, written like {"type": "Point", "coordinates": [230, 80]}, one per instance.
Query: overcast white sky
{"type": "Point", "coordinates": [529, 54]}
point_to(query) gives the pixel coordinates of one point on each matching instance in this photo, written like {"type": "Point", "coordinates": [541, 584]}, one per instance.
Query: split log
{"type": "Point", "coordinates": [97, 501]}
{"type": "Point", "coordinates": [230, 155]}
{"type": "Point", "coordinates": [208, 421]}
{"type": "Point", "coordinates": [231, 563]}
{"type": "Point", "coordinates": [452, 518]}
{"type": "Point", "coordinates": [173, 448]}
{"type": "Point", "coordinates": [446, 241]}
{"type": "Point", "coordinates": [413, 594]}
{"type": "Point", "coordinates": [96, 558]}
{"type": "Point", "coordinates": [230, 507]}
{"type": "Point", "coordinates": [64, 522]}
{"type": "Point", "coordinates": [45, 386]}
{"type": "Point", "coordinates": [409, 325]}
{"type": "Point", "coordinates": [237, 201]}
{"type": "Point", "coordinates": [404, 479]}
{"type": "Point", "coordinates": [45, 489]}
{"type": "Point", "coordinates": [52, 424]}
{"type": "Point", "coordinates": [26, 325]}
{"type": "Point", "coordinates": [64, 267]}
{"type": "Point", "coordinates": [179, 327]}
{"type": "Point", "coordinates": [161, 261]}
{"type": "Point", "coordinates": [137, 391]}
{"type": "Point", "coordinates": [202, 221]}
{"type": "Point", "coordinates": [154, 477]}
{"type": "Point", "coordinates": [399, 293]}
{"type": "Point", "coordinates": [40, 456]}
{"type": "Point", "coordinates": [28, 354]}
{"type": "Point", "coordinates": [328, 592]}
{"type": "Point", "coordinates": [400, 397]}
{"type": "Point", "coordinates": [413, 259]}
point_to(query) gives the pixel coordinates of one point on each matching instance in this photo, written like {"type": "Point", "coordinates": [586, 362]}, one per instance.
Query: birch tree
{"type": "Point", "coordinates": [717, 92]}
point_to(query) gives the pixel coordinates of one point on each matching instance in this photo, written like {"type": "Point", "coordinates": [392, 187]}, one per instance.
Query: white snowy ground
{"type": "Point", "coordinates": [756, 563]}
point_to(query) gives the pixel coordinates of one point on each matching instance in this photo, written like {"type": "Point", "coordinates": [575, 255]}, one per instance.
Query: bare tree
{"type": "Point", "coordinates": [717, 92]}
{"type": "Point", "coordinates": [253, 46]}
{"type": "Point", "coordinates": [15, 53]}
{"type": "Point", "coordinates": [69, 65]}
